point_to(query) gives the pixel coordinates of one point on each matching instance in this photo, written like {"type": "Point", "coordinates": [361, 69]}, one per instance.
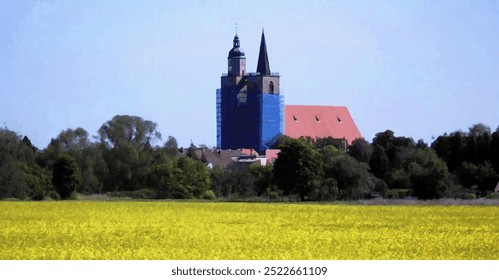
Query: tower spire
{"type": "Point", "coordinates": [263, 66]}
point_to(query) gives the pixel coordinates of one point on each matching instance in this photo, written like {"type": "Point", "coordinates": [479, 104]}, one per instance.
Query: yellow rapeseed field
{"type": "Point", "coordinates": [197, 230]}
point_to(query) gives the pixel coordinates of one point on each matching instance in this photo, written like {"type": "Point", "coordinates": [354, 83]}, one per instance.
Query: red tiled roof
{"type": "Point", "coordinates": [249, 152]}
{"type": "Point", "coordinates": [320, 121]}
{"type": "Point", "coordinates": [271, 155]}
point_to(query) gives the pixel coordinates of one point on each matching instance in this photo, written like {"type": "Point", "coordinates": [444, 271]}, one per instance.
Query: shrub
{"type": "Point", "coordinates": [381, 187]}
{"type": "Point", "coordinates": [143, 194]}
{"type": "Point", "coordinates": [273, 193]}
{"type": "Point", "coordinates": [38, 195]}
{"type": "Point", "coordinates": [54, 196]}
{"type": "Point", "coordinates": [469, 196]}
{"type": "Point", "coordinates": [398, 193]}
{"type": "Point", "coordinates": [73, 196]}
{"type": "Point", "coordinates": [493, 195]}
{"type": "Point", "coordinates": [209, 194]}
{"type": "Point", "coordinates": [66, 176]}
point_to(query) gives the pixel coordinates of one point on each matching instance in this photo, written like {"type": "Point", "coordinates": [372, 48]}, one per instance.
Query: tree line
{"type": "Point", "coordinates": [128, 158]}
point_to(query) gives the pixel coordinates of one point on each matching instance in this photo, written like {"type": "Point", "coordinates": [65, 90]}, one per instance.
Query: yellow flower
{"type": "Point", "coordinates": [197, 230]}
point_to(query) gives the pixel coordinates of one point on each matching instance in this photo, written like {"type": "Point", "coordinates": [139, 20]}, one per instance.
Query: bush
{"type": "Point", "coordinates": [38, 195]}
{"type": "Point", "coordinates": [469, 196]}
{"type": "Point", "coordinates": [327, 190]}
{"type": "Point", "coordinates": [54, 196]}
{"type": "Point", "coordinates": [209, 194]}
{"type": "Point", "coordinates": [398, 193]}
{"type": "Point", "coordinates": [73, 196]}
{"type": "Point", "coordinates": [273, 193]}
{"type": "Point", "coordinates": [493, 195]}
{"type": "Point", "coordinates": [66, 176]}
{"type": "Point", "coordinates": [381, 187]}
{"type": "Point", "coordinates": [143, 194]}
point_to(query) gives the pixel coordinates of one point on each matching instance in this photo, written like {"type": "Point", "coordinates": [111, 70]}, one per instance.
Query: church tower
{"type": "Point", "coordinates": [249, 105]}
{"type": "Point", "coordinates": [236, 59]}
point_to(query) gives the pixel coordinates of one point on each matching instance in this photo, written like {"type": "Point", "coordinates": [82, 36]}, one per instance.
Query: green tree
{"type": "Point", "coordinates": [93, 168]}
{"type": "Point", "coordinates": [477, 144]}
{"type": "Point", "coordinates": [164, 179]}
{"type": "Point", "coordinates": [20, 176]}
{"type": "Point", "coordinates": [171, 147]}
{"type": "Point", "coordinates": [66, 176]}
{"type": "Point", "coordinates": [263, 178]}
{"type": "Point", "coordinates": [450, 148]}
{"type": "Point", "coordinates": [473, 158]}
{"type": "Point", "coordinates": [10, 174]}
{"type": "Point", "coordinates": [129, 151]}
{"type": "Point", "coordinates": [380, 164]}
{"type": "Point", "coordinates": [125, 130]}
{"type": "Point", "coordinates": [478, 130]}
{"type": "Point", "coordinates": [494, 150]}
{"type": "Point", "coordinates": [182, 178]}
{"type": "Point", "coordinates": [351, 177]}
{"type": "Point", "coordinates": [298, 168]}
{"type": "Point", "coordinates": [280, 140]}
{"type": "Point", "coordinates": [37, 180]}
{"type": "Point", "coordinates": [320, 143]}
{"type": "Point", "coordinates": [428, 174]}
{"type": "Point", "coordinates": [88, 155]}
{"type": "Point", "coordinates": [194, 177]}
{"type": "Point", "coordinates": [47, 157]}
{"type": "Point", "coordinates": [221, 182]}
{"type": "Point", "coordinates": [120, 163]}
{"type": "Point", "coordinates": [73, 141]}
{"type": "Point", "coordinates": [388, 155]}
{"type": "Point", "coordinates": [482, 176]}
{"type": "Point", "coordinates": [361, 150]}
{"type": "Point", "coordinates": [241, 181]}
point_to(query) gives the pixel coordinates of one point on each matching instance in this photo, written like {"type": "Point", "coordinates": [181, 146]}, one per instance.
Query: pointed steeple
{"type": "Point", "coordinates": [263, 66]}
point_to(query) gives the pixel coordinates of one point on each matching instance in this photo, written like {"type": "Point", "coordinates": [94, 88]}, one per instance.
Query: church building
{"type": "Point", "coordinates": [249, 107]}
{"type": "Point", "coordinates": [251, 112]}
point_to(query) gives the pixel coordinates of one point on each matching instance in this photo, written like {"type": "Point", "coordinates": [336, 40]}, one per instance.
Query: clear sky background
{"type": "Point", "coordinates": [419, 68]}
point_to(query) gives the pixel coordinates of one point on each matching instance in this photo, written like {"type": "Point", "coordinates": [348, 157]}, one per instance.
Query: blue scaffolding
{"type": "Point", "coordinates": [248, 120]}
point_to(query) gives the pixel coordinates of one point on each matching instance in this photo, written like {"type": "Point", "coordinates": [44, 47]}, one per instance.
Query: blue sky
{"type": "Point", "coordinates": [419, 68]}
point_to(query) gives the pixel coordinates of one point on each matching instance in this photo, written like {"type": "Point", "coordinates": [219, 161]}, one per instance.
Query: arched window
{"type": "Point", "coordinates": [271, 87]}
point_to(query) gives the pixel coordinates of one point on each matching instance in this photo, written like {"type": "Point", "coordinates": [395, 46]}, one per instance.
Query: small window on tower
{"type": "Point", "coordinates": [271, 87]}
{"type": "Point", "coordinates": [295, 118]}
{"type": "Point", "coordinates": [317, 119]}
{"type": "Point", "coordinates": [339, 120]}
